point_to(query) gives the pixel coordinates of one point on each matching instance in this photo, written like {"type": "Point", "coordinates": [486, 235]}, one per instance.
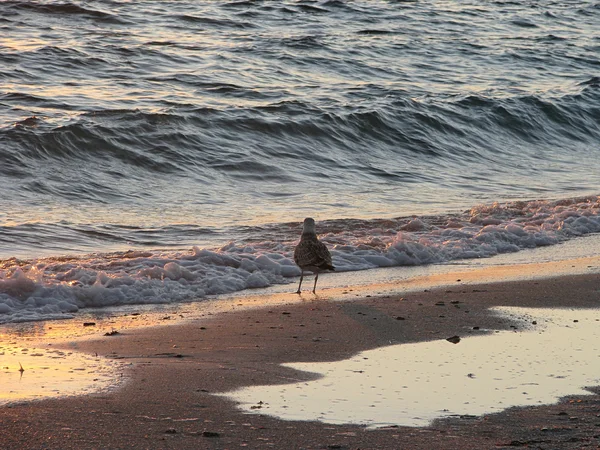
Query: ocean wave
{"type": "Point", "coordinates": [219, 23]}
{"type": "Point", "coordinates": [286, 141]}
{"type": "Point", "coordinates": [24, 98]}
{"type": "Point", "coordinates": [263, 256]}
{"type": "Point", "coordinates": [65, 8]}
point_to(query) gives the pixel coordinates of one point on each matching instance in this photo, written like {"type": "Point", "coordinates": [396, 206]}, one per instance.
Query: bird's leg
{"type": "Point", "coordinates": [315, 287]}
{"type": "Point", "coordinates": [301, 277]}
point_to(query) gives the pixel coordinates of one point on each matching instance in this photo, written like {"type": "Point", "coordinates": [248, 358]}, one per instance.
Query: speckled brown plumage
{"type": "Point", "coordinates": [311, 254]}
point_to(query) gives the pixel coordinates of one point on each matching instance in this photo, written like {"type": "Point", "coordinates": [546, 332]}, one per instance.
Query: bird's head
{"type": "Point", "coordinates": [309, 225]}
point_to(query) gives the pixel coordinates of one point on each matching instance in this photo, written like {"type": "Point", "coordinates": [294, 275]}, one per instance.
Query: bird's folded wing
{"type": "Point", "coordinates": [312, 253]}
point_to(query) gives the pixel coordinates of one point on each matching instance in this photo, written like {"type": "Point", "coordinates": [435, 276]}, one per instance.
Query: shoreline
{"type": "Point", "coordinates": [167, 402]}
{"type": "Point", "coordinates": [337, 286]}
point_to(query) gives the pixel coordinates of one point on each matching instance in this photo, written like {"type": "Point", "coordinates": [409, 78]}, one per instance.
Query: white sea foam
{"type": "Point", "coordinates": [59, 287]}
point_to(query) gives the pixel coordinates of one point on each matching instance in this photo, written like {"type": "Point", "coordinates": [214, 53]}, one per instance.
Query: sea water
{"type": "Point", "coordinates": [161, 152]}
{"type": "Point", "coordinates": [416, 384]}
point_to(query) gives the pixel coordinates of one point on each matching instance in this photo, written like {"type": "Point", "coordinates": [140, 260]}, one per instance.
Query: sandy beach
{"type": "Point", "coordinates": [173, 371]}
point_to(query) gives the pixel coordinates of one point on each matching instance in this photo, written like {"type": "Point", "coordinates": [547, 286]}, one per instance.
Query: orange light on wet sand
{"type": "Point", "coordinates": [39, 373]}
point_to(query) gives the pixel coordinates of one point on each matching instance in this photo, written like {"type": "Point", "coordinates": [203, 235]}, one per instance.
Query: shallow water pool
{"type": "Point", "coordinates": [414, 384]}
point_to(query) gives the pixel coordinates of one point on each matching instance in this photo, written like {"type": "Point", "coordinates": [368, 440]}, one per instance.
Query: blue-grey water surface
{"type": "Point", "coordinates": [161, 123]}
{"type": "Point", "coordinates": [156, 151]}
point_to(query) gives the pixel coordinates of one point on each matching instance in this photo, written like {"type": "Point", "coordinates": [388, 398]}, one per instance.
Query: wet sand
{"type": "Point", "coordinates": [174, 369]}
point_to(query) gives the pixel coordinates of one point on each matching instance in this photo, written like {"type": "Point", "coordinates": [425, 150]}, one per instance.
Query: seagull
{"type": "Point", "coordinates": [311, 254]}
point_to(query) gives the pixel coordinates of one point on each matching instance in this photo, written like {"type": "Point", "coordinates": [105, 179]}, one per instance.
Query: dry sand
{"type": "Point", "coordinates": [168, 403]}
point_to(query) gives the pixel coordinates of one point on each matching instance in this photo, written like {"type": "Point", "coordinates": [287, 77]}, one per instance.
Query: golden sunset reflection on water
{"type": "Point", "coordinates": [22, 45]}
{"type": "Point", "coordinates": [33, 373]}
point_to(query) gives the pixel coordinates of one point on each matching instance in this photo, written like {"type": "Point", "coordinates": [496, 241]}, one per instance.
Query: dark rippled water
{"type": "Point", "coordinates": [122, 119]}
{"type": "Point", "coordinates": [164, 125]}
